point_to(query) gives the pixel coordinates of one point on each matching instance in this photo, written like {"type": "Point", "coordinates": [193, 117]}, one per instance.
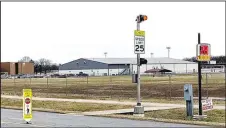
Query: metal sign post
{"type": "Point", "coordinates": [139, 48]}
{"type": "Point", "coordinates": [203, 54]}
{"type": "Point", "coordinates": [199, 81]}
{"type": "Point", "coordinates": [27, 105]}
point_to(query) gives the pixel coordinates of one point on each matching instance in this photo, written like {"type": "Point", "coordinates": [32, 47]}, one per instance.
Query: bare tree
{"type": "Point", "coordinates": [45, 64]}
{"type": "Point", "coordinates": [41, 65]}
{"type": "Point", "coordinates": [25, 59]}
{"type": "Point", "coordinates": [37, 67]}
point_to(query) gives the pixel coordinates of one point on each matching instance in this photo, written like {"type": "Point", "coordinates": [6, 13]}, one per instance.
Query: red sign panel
{"type": "Point", "coordinates": [27, 101]}
{"type": "Point", "coordinates": [204, 50]}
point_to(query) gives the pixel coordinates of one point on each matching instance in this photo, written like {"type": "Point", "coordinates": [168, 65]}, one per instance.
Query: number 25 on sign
{"type": "Point", "coordinates": [139, 42]}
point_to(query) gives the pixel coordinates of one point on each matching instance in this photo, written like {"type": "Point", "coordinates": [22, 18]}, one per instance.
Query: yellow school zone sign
{"type": "Point", "coordinates": [139, 33]}
{"type": "Point", "coordinates": [27, 104]}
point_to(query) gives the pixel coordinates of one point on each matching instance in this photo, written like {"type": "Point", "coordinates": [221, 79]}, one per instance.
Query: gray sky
{"type": "Point", "coordinates": [66, 31]}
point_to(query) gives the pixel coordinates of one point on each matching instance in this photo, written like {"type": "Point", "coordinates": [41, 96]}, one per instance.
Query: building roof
{"type": "Point", "coordinates": [162, 60]}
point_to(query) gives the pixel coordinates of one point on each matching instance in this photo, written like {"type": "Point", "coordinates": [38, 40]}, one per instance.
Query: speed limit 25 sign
{"type": "Point", "coordinates": [139, 42]}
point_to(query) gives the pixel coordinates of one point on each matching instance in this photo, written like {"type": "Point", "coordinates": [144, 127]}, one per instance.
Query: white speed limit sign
{"type": "Point", "coordinates": [139, 42]}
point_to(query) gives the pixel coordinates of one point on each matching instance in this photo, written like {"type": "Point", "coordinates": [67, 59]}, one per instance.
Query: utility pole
{"type": "Point", "coordinates": [168, 48]}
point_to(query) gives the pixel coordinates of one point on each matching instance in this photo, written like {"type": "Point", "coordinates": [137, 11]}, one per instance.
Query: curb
{"type": "Point", "coordinates": [39, 110]}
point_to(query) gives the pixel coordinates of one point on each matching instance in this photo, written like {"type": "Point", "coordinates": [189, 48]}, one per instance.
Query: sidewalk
{"type": "Point", "coordinates": [106, 112]}
{"type": "Point", "coordinates": [213, 98]}
{"type": "Point", "coordinates": [145, 104]}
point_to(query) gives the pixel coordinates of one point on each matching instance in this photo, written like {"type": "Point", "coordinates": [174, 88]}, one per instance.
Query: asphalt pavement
{"type": "Point", "coordinates": [14, 118]}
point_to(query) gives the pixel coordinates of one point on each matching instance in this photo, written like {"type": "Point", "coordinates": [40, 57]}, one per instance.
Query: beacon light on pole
{"type": "Point", "coordinates": [141, 18]}
{"type": "Point", "coordinates": [143, 61]}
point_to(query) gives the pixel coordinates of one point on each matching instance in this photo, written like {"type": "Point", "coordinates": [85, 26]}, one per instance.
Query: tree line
{"type": "Point", "coordinates": [218, 59]}
{"type": "Point", "coordinates": [42, 65]}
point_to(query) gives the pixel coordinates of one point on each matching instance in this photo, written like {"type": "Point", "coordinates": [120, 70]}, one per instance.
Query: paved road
{"type": "Point", "coordinates": [13, 118]}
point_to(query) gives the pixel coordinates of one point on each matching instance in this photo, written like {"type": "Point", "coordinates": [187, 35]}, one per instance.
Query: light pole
{"type": "Point", "coordinates": [168, 48]}
{"type": "Point", "coordinates": [105, 54]}
{"type": "Point", "coordinates": [152, 55]}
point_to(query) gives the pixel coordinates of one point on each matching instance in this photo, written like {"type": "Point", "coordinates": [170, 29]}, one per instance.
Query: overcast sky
{"type": "Point", "coordinates": [67, 31]}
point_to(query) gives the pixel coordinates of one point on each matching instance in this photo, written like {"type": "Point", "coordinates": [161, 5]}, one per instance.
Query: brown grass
{"type": "Point", "coordinates": [178, 115]}
{"type": "Point", "coordinates": [114, 87]}
{"type": "Point", "coordinates": [63, 106]}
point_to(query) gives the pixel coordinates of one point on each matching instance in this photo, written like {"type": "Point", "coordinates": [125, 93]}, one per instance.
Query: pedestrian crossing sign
{"type": "Point", "coordinates": [27, 104]}
{"type": "Point", "coordinates": [203, 52]}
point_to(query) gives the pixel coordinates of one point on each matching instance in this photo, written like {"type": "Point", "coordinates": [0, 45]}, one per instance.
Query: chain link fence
{"type": "Point", "coordinates": [117, 87]}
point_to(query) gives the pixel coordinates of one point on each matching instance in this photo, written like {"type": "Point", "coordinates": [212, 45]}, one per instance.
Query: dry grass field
{"type": "Point", "coordinates": [62, 106]}
{"type": "Point", "coordinates": [115, 87]}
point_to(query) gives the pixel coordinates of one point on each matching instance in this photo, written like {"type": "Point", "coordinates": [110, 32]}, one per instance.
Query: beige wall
{"type": "Point", "coordinates": [12, 70]}
{"type": "Point", "coordinates": [24, 68]}
{"type": "Point", "coordinates": [5, 67]}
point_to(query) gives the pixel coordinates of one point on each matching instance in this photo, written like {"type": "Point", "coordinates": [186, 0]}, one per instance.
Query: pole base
{"type": "Point", "coordinates": [199, 117]}
{"type": "Point", "coordinates": [28, 122]}
{"type": "Point", "coordinates": [139, 111]}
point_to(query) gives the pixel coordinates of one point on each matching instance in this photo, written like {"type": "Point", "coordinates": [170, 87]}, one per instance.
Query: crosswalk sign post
{"type": "Point", "coordinates": [139, 48]}
{"type": "Point", "coordinates": [202, 54]}
{"type": "Point", "coordinates": [27, 105]}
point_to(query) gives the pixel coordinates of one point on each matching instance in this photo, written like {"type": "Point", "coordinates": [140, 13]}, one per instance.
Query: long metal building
{"type": "Point", "coordinates": [123, 66]}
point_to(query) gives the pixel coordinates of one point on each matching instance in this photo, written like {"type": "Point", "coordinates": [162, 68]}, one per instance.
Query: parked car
{"type": "Point", "coordinates": [4, 76]}
{"type": "Point", "coordinates": [71, 75]}
{"type": "Point", "coordinates": [81, 74]}
{"type": "Point", "coordinates": [62, 76]}
{"type": "Point", "coordinates": [22, 76]}
{"type": "Point", "coordinates": [55, 75]}
{"type": "Point", "coordinates": [13, 77]}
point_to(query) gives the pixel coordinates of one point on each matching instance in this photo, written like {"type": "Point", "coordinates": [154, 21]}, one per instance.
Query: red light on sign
{"type": "Point", "coordinates": [203, 52]}
{"type": "Point", "coordinates": [204, 49]}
